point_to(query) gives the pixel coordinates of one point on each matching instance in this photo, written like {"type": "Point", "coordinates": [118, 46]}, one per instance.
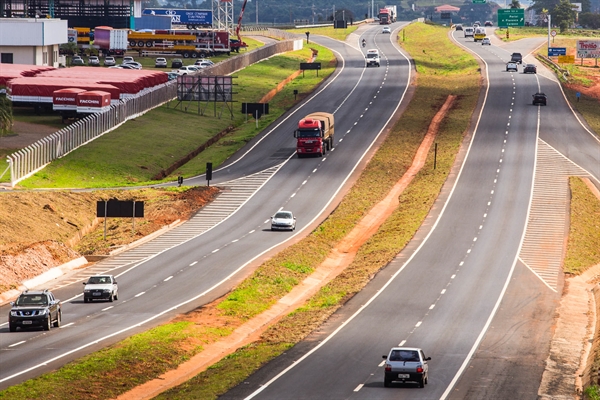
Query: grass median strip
{"type": "Point", "coordinates": [454, 73]}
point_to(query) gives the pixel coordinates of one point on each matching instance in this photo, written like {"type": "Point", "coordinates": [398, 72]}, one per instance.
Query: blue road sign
{"type": "Point", "coordinates": [557, 51]}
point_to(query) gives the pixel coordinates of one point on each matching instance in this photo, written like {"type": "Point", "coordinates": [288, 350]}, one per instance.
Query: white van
{"type": "Point", "coordinates": [373, 57]}
{"type": "Point", "coordinates": [469, 31]}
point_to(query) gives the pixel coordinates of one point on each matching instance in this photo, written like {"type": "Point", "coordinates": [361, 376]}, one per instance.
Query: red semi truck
{"type": "Point", "coordinates": [314, 134]}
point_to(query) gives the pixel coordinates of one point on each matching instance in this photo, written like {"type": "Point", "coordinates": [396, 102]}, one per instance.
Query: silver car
{"type": "Point", "coordinates": [100, 287]}
{"type": "Point", "coordinates": [406, 364]}
{"type": "Point", "coordinates": [160, 62]}
{"type": "Point", "coordinates": [283, 221]}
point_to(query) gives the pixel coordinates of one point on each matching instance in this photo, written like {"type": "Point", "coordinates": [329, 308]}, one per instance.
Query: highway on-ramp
{"type": "Point", "coordinates": [185, 269]}
{"type": "Point", "coordinates": [463, 287]}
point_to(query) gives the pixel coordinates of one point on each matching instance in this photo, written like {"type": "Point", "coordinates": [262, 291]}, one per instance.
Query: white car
{"type": "Point", "coordinates": [283, 221]}
{"type": "Point", "coordinates": [127, 59]}
{"type": "Point", "coordinates": [109, 61]}
{"type": "Point", "coordinates": [406, 364]}
{"type": "Point", "coordinates": [187, 69]}
{"type": "Point", "coordinates": [160, 62]}
{"type": "Point", "coordinates": [486, 40]}
{"type": "Point", "coordinates": [203, 64]}
{"type": "Point", "coordinates": [512, 66]}
{"type": "Point", "coordinates": [203, 61]}
{"type": "Point", "coordinates": [131, 65]}
{"type": "Point", "coordinates": [100, 287]}
{"type": "Point", "coordinates": [386, 29]}
{"type": "Point", "coordinates": [94, 60]}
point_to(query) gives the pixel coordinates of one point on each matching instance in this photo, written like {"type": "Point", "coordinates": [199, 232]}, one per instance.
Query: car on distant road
{"type": "Point", "coordinates": [109, 61]}
{"type": "Point", "coordinates": [512, 66]}
{"type": "Point", "coordinates": [486, 41]}
{"type": "Point", "coordinates": [386, 29]}
{"type": "Point", "coordinates": [94, 60]}
{"type": "Point", "coordinates": [373, 57]}
{"type": "Point", "coordinates": [176, 63]}
{"type": "Point", "coordinates": [283, 221]}
{"type": "Point", "coordinates": [539, 99]}
{"type": "Point", "coordinates": [476, 24]}
{"type": "Point", "coordinates": [516, 57]}
{"type": "Point", "coordinates": [100, 287]}
{"type": "Point", "coordinates": [35, 308]}
{"type": "Point", "coordinates": [160, 62]}
{"type": "Point", "coordinates": [458, 27]}
{"type": "Point", "coordinates": [530, 69]}
{"type": "Point", "coordinates": [406, 364]}
{"type": "Point", "coordinates": [488, 23]}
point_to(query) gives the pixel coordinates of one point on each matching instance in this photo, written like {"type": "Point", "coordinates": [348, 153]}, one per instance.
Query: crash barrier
{"type": "Point", "coordinates": [35, 157]}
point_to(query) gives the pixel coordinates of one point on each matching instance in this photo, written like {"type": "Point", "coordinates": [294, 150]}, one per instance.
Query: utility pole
{"type": "Point", "coordinates": [334, 12]}
{"type": "Point", "coordinates": [256, 12]}
{"type": "Point", "coordinates": [313, 13]}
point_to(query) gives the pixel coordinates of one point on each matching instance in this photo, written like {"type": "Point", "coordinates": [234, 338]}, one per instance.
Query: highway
{"type": "Point", "coordinates": [184, 268]}
{"type": "Point", "coordinates": [461, 291]}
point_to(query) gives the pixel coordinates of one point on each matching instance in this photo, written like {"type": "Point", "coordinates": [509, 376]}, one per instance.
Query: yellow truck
{"type": "Point", "coordinates": [479, 33]}
{"type": "Point", "coordinates": [314, 134]}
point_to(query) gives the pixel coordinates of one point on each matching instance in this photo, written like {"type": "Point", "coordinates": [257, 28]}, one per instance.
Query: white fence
{"type": "Point", "coordinates": [33, 158]}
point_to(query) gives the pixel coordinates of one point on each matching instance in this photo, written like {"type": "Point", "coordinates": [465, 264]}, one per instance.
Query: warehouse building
{"type": "Point", "coordinates": [31, 41]}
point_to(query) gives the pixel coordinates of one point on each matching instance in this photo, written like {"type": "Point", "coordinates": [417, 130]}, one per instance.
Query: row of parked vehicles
{"type": "Point", "coordinates": [160, 62]}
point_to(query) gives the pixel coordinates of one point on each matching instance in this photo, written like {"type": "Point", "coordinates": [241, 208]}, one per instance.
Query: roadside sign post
{"type": "Point", "coordinates": [511, 17]}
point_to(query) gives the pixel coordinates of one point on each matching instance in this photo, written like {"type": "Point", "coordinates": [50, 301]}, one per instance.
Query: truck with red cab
{"type": "Point", "coordinates": [314, 134]}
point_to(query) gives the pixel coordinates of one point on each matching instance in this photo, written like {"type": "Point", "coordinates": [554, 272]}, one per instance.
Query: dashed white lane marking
{"type": "Point", "coordinates": [16, 344]}
{"type": "Point", "coordinates": [358, 387]}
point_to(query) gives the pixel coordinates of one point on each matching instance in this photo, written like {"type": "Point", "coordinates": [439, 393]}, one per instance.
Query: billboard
{"type": "Point", "coordinates": [588, 49]}
{"type": "Point", "coordinates": [183, 17]}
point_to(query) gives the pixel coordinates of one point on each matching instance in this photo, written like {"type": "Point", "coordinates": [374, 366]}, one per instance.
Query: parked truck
{"type": "Point", "coordinates": [189, 44]}
{"type": "Point", "coordinates": [314, 134]}
{"type": "Point", "coordinates": [384, 16]}
{"type": "Point", "coordinates": [112, 42]}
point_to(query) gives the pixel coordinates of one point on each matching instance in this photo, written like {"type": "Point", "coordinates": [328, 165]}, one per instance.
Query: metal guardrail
{"type": "Point", "coordinates": [33, 158]}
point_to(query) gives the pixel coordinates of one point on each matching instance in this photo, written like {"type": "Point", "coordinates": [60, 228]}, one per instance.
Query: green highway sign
{"type": "Point", "coordinates": [479, 1]}
{"type": "Point", "coordinates": [511, 17]}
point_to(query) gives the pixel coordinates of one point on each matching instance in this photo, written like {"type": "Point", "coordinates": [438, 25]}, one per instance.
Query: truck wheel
{"type": "Point", "coordinates": [386, 382]}
{"type": "Point", "coordinates": [57, 322]}
{"type": "Point", "coordinates": [140, 43]}
{"type": "Point", "coordinates": [186, 55]}
{"type": "Point", "coordinates": [149, 43]}
{"type": "Point", "coordinates": [132, 43]}
{"type": "Point", "coordinates": [194, 54]}
{"type": "Point", "coordinates": [12, 328]}
{"type": "Point", "coordinates": [48, 323]}
{"type": "Point", "coordinates": [203, 54]}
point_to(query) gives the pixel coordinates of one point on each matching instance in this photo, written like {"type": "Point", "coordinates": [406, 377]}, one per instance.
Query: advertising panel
{"type": "Point", "coordinates": [183, 17]}
{"type": "Point", "coordinates": [588, 49]}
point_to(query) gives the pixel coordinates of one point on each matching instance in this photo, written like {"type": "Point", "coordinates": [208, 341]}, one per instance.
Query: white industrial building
{"type": "Point", "coordinates": [32, 41]}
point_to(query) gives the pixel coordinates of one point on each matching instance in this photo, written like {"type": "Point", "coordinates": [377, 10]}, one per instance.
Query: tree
{"type": "Point", "coordinates": [590, 20]}
{"type": "Point", "coordinates": [539, 5]}
{"type": "Point", "coordinates": [563, 15]}
{"type": "Point", "coordinates": [6, 116]}
{"type": "Point", "coordinates": [515, 4]}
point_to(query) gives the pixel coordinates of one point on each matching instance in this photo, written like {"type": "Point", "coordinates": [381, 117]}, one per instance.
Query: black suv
{"type": "Point", "coordinates": [516, 57]}
{"type": "Point", "coordinates": [539, 98]}
{"type": "Point", "coordinates": [34, 308]}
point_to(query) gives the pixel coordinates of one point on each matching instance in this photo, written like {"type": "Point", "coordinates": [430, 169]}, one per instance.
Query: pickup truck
{"type": "Point", "coordinates": [406, 364]}
{"type": "Point", "coordinates": [516, 57]}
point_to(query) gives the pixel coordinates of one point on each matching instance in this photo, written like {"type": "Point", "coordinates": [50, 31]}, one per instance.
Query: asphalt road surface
{"type": "Point", "coordinates": [460, 291]}
{"type": "Point", "coordinates": [177, 272]}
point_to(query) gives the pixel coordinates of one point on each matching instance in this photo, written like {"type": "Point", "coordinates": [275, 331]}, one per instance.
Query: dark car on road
{"type": "Point", "coordinates": [34, 308]}
{"type": "Point", "coordinates": [530, 69]}
{"type": "Point", "coordinates": [406, 364]}
{"type": "Point", "coordinates": [488, 23]}
{"type": "Point", "coordinates": [516, 57]}
{"type": "Point", "coordinates": [539, 99]}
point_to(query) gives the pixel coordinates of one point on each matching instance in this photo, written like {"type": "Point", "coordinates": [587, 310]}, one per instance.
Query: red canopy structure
{"type": "Point", "coordinates": [447, 8]}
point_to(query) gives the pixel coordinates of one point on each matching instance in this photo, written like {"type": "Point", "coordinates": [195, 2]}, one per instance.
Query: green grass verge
{"type": "Point", "coordinates": [277, 276]}
{"type": "Point", "coordinates": [339, 34]}
{"type": "Point", "coordinates": [169, 133]}
{"type": "Point", "coordinates": [583, 246]}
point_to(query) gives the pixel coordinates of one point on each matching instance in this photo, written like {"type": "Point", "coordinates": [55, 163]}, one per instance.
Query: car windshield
{"type": "Point", "coordinates": [404, 355]}
{"type": "Point", "coordinates": [371, 55]}
{"type": "Point", "coordinates": [308, 132]}
{"type": "Point", "coordinates": [32, 300]}
{"type": "Point", "coordinates": [95, 280]}
{"type": "Point", "coordinates": [283, 215]}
